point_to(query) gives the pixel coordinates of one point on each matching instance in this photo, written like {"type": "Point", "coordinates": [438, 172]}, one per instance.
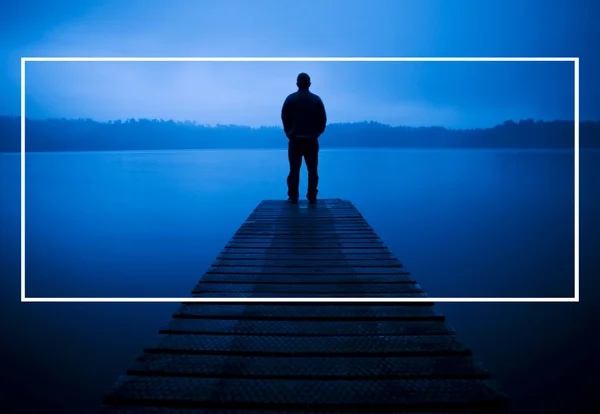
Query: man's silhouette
{"type": "Point", "coordinates": [304, 119]}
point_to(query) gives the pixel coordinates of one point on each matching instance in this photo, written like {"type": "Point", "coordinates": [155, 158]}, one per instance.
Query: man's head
{"type": "Point", "coordinates": [303, 81]}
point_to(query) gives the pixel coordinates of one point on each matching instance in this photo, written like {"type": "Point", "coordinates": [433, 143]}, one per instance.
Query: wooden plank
{"type": "Point", "coordinates": [170, 410]}
{"type": "Point", "coordinates": [310, 246]}
{"type": "Point", "coordinates": [308, 240]}
{"type": "Point", "coordinates": [333, 201]}
{"type": "Point", "coordinates": [306, 226]}
{"type": "Point", "coordinates": [308, 270]}
{"type": "Point", "coordinates": [296, 229]}
{"type": "Point", "coordinates": [234, 366]}
{"type": "Point", "coordinates": [306, 211]}
{"type": "Point", "coordinates": [307, 217]}
{"type": "Point", "coordinates": [311, 210]}
{"type": "Point", "coordinates": [133, 409]}
{"type": "Point", "coordinates": [299, 246]}
{"type": "Point", "coordinates": [299, 229]}
{"type": "Point", "coordinates": [303, 205]}
{"type": "Point", "coordinates": [336, 279]}
{"type": "Point", "coordinates": [303, 231]}
{"type": "Point", "coordinates": [308, 214]}
{"type": "Point", "coordinates": [418, 394]}
{"type": "Point", "coordinates": [345, 394]}
{"type": "Point", "coordinates": [307, 263]}
{"type": "Point", "coordinates": [305, 328]}
{"type": "Point", "coordinates": [397, 345]}
{"type": "Point", "coordinates": [312, 243]}
{"type": "Point", "coordinates": [351, 253]}
{"type": "Point", "coordinates": [276, 231]}
{"type": "Point", "coordinates": [266, 255]}
{"type": "Point", "coordinates": [316, 312]}
{"type": "Point", "coordinates": [307, 237]}
{"type": "Point", "coordinates": [338, 224]}
{"type": "Point", "coordinates": [309, 288]}
{"type": "Point", "coordinates": [307, 295]}
{"type": "Point", "coordinates": [321, 221]}
{"type": "Point", "coordinates": [312, 217]}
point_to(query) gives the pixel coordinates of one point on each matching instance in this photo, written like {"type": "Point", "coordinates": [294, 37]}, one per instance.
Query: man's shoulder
{"type": "Point", "coordinates": [315, 97]}
{"type": "Point", "coordinates": [303, 96]}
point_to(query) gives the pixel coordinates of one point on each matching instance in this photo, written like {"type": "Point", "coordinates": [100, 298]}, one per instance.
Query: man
{"type": "Point", "coordinates": [304, 119]}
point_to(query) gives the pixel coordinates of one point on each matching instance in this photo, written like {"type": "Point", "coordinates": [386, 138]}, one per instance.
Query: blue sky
{"type": "Point", "coordinates": [447, 94]}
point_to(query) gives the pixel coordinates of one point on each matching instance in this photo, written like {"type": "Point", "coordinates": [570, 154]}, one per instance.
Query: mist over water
{"type": "Point", "coordinates": [465, 223]}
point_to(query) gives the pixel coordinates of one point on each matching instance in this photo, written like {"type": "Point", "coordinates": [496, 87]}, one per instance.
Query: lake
{"type": "Point", "coordinates": [465, 223]}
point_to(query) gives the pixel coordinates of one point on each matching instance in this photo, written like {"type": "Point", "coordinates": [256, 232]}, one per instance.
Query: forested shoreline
{"type": "Point", "coordinates": [151, 134]}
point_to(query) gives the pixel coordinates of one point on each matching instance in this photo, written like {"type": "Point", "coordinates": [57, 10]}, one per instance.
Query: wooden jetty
{"type": "Point", "coordinates": [306, 357]}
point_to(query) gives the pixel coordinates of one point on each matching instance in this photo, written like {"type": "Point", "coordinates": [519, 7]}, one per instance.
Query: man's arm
{"type": "Point", "coordinates": [322, 116]}
{"type": "Point", "coordinates": [286, 116]}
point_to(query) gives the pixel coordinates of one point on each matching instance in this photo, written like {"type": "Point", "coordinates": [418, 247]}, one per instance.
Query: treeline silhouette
{"type": "Point", "coordinates": [152, 134]}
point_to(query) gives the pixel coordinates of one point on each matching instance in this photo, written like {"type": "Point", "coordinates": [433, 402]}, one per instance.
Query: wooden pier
{"type": "Point", "coordinates": [319, 357]}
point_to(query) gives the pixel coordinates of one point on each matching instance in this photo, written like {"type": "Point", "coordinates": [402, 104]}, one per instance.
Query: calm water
{"type": "Point", "coordinates": [464, 222]}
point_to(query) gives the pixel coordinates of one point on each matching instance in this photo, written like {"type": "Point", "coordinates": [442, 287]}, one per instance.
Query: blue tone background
{"type": "Point", "coordinates": [465, 223]}
{"type": "Point", "coordinates": [495, 92]}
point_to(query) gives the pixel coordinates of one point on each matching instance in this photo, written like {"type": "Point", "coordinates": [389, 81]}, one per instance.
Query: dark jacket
{"type": "Point", "coordinates": [303, 115]}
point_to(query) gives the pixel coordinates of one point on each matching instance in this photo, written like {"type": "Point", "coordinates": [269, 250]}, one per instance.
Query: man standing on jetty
{"type": "Point", "coordinates": [304, 119]}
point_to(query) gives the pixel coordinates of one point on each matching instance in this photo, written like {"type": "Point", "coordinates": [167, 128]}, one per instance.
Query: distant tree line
{"type": "Point", "coordinates": [152, 134]}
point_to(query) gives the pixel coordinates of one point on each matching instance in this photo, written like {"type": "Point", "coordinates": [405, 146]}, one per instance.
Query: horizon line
{"type": "Point", "coordinates": [366, 121]}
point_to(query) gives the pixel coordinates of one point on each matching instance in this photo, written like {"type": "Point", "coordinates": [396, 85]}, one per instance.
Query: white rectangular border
{"type": "Point", "coordinates": [575, 61]}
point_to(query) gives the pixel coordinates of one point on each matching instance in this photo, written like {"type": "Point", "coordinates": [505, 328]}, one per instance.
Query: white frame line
{"type": "Point", "coordinates": [23, 298]}
{"type": "Point", "coordinates": [575, 61]}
